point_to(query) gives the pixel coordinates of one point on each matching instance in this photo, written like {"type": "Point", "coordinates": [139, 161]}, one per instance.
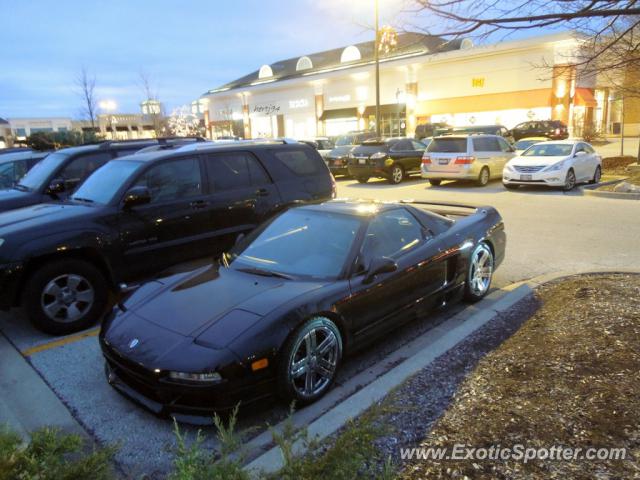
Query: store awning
{"type": "Point", "coordinates": [584, 97]}
{"type": "Point", "coordinates": [339, 113]}
{"type": "Point", "coordinates": [389, 108]}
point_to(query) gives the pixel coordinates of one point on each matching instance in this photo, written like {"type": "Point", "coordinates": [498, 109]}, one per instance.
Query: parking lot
{"type": "Point", "coordinates": [548, 231]}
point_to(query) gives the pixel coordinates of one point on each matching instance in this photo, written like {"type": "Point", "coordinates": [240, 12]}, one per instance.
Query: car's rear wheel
{"type": "Point", "coordinates": [435, 182]}
{"type": "Point", "coordinates": [597, 175]}
{"type": "Point", "coordinates": [480, 273]}
{"type": "Point", "coordinates": [397, 174]}
{"type": "Point", "coordinates": [483, 178]}
{"type": "Point", "coordinates": [510, 186]}
{"type": "Point", "coordinates": [309, 361]}
{"type": "Point", "coordinates": [362, 179]}
{"type": "Point", "coordinates": [569, 181]}
{"type": "Point", "coordinates": [65, 296]}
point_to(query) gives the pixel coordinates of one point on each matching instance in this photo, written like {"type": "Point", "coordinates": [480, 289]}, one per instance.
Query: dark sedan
{"type": "Point", "coordinates": [279, 312]}
{"type": "Point", "coordinates": [393, 159]}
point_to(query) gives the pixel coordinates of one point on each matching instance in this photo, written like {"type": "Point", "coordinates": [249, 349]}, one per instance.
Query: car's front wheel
{"type": "Point", "coordinates": [397, 175]}
{"type": "Point", "coordinates": [479, 273]}
{"type": "Point", "coordinates": [569, 181]}
{"type": "Point", "coordinates": [65, 296]}
{"type": "Point", "coordinates": [309, 361]}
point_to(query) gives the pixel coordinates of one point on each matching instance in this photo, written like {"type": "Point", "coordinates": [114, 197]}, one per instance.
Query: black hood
{"type": "Point", "coordinates": [11, 199]}
{"type": "Point", "coordinates": [44, 217]}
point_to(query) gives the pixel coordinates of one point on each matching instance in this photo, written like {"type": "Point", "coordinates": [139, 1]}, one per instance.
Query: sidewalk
{"type": "Point", "coordinates": [612, 149]}
{"type": "Point", "coordinates": [26, 401]}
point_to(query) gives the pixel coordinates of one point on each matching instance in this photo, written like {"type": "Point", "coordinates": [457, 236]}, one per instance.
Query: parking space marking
{"type": "Point", "coordinates": [59, 343]}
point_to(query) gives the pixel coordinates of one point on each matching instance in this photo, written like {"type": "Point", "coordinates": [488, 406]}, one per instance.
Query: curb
{"type": "Point", "coordinates": [592, 190]}
{"type": "Point", "coordinates": [435, 343]}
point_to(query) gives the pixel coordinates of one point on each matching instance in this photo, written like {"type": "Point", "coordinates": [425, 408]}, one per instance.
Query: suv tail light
{"type": "Point", "coordinates": [426, 160]}
{"type": "Point", "coordinates": [558, 131]}
{"type": "Point", "coordinates": [465, 160]}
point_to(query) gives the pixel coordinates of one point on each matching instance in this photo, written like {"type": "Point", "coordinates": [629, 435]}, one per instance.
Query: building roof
{"type": "Point", "coordinates": [3, 121]}
{"type": "Point", "coordinates": [409, 43]}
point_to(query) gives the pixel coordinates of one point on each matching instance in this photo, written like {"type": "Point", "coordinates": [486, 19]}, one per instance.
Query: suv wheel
{"type": "Point", "coordinates": [435, 182]}
{"type": "Point", "coordinates": [65, 296]}
{"type": "Point", "coordinates": [483, 178]}
{"type": "Point", "coordinates": [362, 179]}
{"type": "Point", "coordinates": [397, 174]}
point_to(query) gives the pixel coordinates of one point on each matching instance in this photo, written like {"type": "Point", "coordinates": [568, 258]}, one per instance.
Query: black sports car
{"type": "Point", "coordinates": [282, 308]}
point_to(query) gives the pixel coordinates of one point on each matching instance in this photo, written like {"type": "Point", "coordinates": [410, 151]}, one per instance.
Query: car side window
{"type": "Point", "coordinates": [7, 175]}
{"type": "Point", "coordinates": [486, 144]}
{"type": "Point", "coordinates": [301, 162]}
{"type": "Point", "coordinates": [229, 171]}
{"type": "Point", "coordinates": [81, 167]}
{"type": "Point", "coordinates": [391, 234]}
{"type": "Point", "coordinates": [504, 145]}
{"type": "Point", "coordinates": [173, 180]}
{"type": "Point", "coordinates": [589, 148]}
{"type": "Point", "coordinates": [418, 145]}
{"type": "Point", "coordinates": [580, 147]}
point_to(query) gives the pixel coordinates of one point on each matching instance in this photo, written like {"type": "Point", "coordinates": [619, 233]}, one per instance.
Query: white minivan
{"type": "Point", "coordinates": [466, 157]}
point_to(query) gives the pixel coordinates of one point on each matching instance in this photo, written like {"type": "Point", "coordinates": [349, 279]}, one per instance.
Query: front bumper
{"type": "Point", "coordinates": [187, 403]}
{"type": "Point", "coordinates": [337, 166]}
{"type": "Point", "coordinates": [10, 278]}
{"type": "Point", "coordinates": [464, 172]}
{"type": "Point", "coordinates": [549, 179]}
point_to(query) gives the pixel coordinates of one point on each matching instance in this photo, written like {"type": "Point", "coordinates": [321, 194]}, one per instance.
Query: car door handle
{"type": "Point", "coordinates": [262, 192]}
{"type": "Point", "coordinates": [199, 204]}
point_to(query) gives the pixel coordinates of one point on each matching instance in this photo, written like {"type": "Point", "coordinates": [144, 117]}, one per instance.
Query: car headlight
{"type": "Point", "coordinates": [378, 155]}
{"type": "Point", "coordinates": [212, 377]}
{"type": "Point", "coordinates": [510, 168]}
{"type": "Point", "coordinates": [555, 167]}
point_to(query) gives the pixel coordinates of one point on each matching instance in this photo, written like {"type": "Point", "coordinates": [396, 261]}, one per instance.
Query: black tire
{"type": "Point", "coordinates": [288, 387]}
{"type": "Point", "coordinates": [434, 182]}
{"type": "Point", "coordinates": [471, 293]}
{"type": "Point", "coordinates": [570, 181]}
{"type": "Point", "coordinates": [396, 175]}
{"type": "Point", "coordinates": [67, 272]}
{"type": "Point", "coordinates": [484, 177]}
{"type": "Point", "coordinates": [511, 186]}
{"type": "Point", "coordinates": [362, 179]}
{"type": "Point", "coordinates": [596, 176]}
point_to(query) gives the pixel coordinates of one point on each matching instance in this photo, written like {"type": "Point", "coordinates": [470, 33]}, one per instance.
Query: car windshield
{"type": "Point", "coordinates": [301, 242]}
{"type": "Point", "coordinates": [36, 178]}
{"type": "Point", "coordinates": [346, 140]}
{"type": "Point", "coordinates": [524, 144]}
{"type": "Point", "coordinates": [448, 145]}
{"type": "Point", "coordinates": [102, 186]}
{"type": "Point", "coordinates": [548, 150]}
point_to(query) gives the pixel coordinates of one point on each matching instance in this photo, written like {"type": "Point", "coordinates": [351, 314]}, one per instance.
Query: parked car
{"type": "Point", "coordinates": [322, 144]}
{"type": "Point", "coordinates": [499, 130]}
{"type": "Point", "coordinates": [61, 172]}
{"type": "Point", "coordinates": [280, 311]}
{"type": "Point", "coordinates": [466, 157]}
{"type": "Point", "coordinates": [429, 129]}
{"type": "Point", "coordinates": [141, 213]}
{"type": "Point", "coordinates": [521, 145]}
{"type": "Point", "coordinates": [14, 166]}
{"type": "Point", "coordinates": [553, 129]}
{"type": "Point", "coordinates": [392, 158]}
{"type": "Point", "coordinates": [554, 164]}
{"type": "Point", "coordinates": [338, 158]}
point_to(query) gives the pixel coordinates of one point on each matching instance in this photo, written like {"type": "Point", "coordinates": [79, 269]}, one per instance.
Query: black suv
{"type": "Point", "coordinates": [391, 158]}
{"type": "Point", "coordinates": [426, 130]}
{"type": "Point", "coordinates": [13, 166]}
{"type": "Point", "coordinates": [338, 158]}
{"type": "Point", "coordinates": [499, 130]}
{"type": "Point", "coordinates": [139, 214]}
{"type": "Point", "coordinates": [61, 172]}
{"type": "Point", "coordinates": [553, 129]}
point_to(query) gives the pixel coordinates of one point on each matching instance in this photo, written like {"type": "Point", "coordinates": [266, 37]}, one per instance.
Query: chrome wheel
{"type": "Point", "coordinates": [314, 361]}
{"type": "Point", "coordinates": [67, 298]}
{"type": "Point", "coordinates": [481, 270]}
{"type": "Point", "coordinates": [570, 181]}
{"type": "Point", "coordinates": [397, 174]}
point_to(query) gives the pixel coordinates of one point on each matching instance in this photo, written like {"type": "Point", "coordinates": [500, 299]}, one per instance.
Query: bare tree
{"type": "Point", "coordinates": [86, 85]}
{"type": "Point", "coordinates": [155, 111]}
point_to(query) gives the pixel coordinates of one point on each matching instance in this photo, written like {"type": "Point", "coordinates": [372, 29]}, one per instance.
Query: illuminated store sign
{"type": "Point", "coordinates": [340, 99]}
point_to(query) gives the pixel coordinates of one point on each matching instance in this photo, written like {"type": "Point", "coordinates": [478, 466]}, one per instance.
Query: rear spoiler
{"type": "Point", "coordinates": [447, 208]}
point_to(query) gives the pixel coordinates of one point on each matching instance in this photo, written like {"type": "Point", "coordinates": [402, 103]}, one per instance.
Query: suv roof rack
{"type": "Point", "coordinates": [159, 140]}
{"type": "Point", "coordinates": [224, 143]}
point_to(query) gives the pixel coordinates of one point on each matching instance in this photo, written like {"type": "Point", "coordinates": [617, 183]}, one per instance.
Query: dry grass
{"type": "Point", "coordinates": [570, 376]}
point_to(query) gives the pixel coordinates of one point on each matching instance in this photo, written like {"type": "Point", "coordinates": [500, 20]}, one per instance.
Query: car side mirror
{"type": "Point", "coordinates": [379, 265]}
{"type": "Point", "coordinates": [137, 196]}
{"type": "Point", "coordinates": [580, 153]}
{"type": "Point", "coordinates": [56, 186]}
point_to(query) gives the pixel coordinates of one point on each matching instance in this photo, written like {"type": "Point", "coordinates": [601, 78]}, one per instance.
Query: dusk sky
{"type": "Point", "coordinates": [185, 47]}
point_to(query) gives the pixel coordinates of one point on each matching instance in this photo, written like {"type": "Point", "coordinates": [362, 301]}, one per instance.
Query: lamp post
{"type": "Point", "coordinates": [110, 106]}
{"type": "Point", "coordinates": [377, 60]}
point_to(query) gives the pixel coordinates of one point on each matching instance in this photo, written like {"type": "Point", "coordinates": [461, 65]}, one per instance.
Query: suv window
{"type": "Point", "coordinates": [228, 171]}
{"type": "Point", "coordinates": [81, 167]}
{"type": "Point", "coordinates": [448, 145]}
{"type": "Point", "coordinates": [173, 180]}
{"type": "Point", "coordinates": [486, 144]}
{"type": "Point", "coordinates": [301, 162]}
{"type": "Point", "coordinates": [391, 234]}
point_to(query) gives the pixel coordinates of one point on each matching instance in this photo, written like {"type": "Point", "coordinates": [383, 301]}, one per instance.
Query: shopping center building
{"type": "Point", "coordinates": [422, 79]}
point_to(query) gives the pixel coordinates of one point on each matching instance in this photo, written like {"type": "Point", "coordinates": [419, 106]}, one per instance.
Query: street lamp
{"type": "Point", "coordinates": [377, 60]}
{"type": "Point", "coordinates": [110, 106]}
